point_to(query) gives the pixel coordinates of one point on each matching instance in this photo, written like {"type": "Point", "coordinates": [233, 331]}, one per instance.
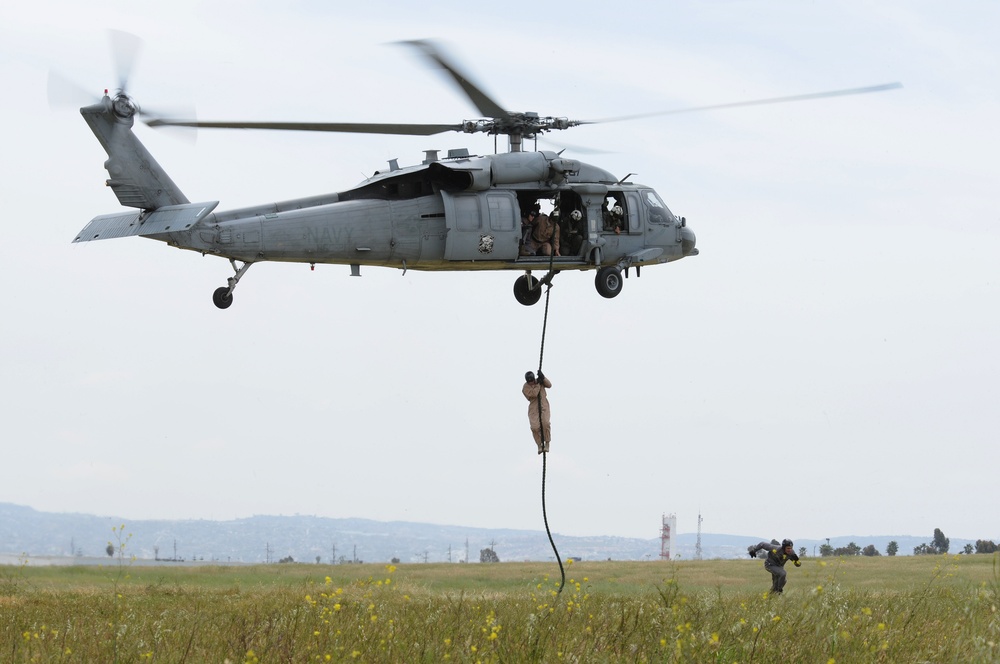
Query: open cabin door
{"type": "Point", "coordinates": [482, 226]}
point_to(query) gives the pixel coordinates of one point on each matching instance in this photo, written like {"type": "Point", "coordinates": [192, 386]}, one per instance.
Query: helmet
{"type": "Point", "coordinates": [786, 542]}
{"type": "Point", "coordinates": [617, 210]}
{"type": "Point", "coordinates": [529, 377]}
{"type": "Point", "coordinates": [576, 215]}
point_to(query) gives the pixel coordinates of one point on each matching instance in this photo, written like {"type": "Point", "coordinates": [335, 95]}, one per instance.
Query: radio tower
{"type": "Point", "coordinates": [697, 544]}
{"type": "Point", "coordinates": [666, 535]}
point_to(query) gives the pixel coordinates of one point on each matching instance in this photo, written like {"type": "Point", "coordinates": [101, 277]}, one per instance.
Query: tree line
{"type": "Point", "coordinates": [939, 544]}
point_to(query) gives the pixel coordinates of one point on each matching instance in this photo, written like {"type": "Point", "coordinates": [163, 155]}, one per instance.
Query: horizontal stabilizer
{"type": "Point", "coordinates": [167, 219]}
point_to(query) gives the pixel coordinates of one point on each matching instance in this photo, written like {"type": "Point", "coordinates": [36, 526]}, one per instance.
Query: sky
{"type": "Point", "coordinates": [827, 366]}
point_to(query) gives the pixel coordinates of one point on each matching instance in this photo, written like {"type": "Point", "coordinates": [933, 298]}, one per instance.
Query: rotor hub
{"type": "Point", "coordinates": [124, 106]}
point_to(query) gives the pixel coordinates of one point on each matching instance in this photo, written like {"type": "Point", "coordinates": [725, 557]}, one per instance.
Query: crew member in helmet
{"type": "Point", "coordinates": [572, 233]}
{"type": "Point", "coordinates": [528, 247]}
{"type": "Point", "coordinates": [774, 562]}
{"type": "Point", "coordinates": [538, 408]}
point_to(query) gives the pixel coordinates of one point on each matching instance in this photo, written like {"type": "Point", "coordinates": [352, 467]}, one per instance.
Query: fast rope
{"type": "Point", "coordinates": [545, 443]}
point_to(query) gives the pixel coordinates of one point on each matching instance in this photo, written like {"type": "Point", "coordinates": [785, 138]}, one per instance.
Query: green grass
{"type": "Point", "coordinates": [902, 609]}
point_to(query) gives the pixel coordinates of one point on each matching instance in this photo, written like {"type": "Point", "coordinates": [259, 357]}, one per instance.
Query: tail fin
{"type": "Point", "coordinates": [137, 180]}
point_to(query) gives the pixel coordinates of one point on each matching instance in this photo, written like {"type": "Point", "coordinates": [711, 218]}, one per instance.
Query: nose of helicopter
{"type": "Point", "coordinates": [688, 241]}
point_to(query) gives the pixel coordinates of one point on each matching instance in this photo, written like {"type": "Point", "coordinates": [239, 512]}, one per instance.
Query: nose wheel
{"type": "Point", "coordinates": [223, 296]}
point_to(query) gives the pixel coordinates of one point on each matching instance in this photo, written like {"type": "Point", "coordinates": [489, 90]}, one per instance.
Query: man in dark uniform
{"type": "Point", "coordinates": [775, 561]}
{"type": "Point", "coordinates": [572, 233]}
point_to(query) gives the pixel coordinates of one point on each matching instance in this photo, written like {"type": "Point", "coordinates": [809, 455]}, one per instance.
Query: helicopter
{"type": "Point", "coordinates": [456, 212]}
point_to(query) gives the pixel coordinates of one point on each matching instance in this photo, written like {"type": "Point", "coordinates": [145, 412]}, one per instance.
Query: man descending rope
{"type": "Point", "coordinates": [538, 416]}
{"type": "Point", "coordinates": [538, 408]}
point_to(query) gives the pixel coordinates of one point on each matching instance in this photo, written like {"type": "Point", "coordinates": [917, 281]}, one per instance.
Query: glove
{"type": "Point", "coordinates": [541, 376]}
{"type": "Point", "coordinates": [751, 553]}
{"type": "Point", "coordinates": [798, 563]}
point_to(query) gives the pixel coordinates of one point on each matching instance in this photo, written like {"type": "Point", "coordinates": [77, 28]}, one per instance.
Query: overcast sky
{"type": "Point", "coordinates": [827, 366]}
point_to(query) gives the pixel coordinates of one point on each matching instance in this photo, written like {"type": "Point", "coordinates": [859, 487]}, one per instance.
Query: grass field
{"type": "Point", "coordinates": [900, 609]}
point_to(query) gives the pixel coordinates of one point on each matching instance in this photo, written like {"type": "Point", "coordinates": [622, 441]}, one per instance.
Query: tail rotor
{"type": "Point", "coordinates": [125, 49]}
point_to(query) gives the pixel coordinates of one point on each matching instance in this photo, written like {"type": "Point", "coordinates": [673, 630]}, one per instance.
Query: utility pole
{"type": "Point", "coordinates": [333, 554]}
{"type": "Point", "coordinates": [697, 544]}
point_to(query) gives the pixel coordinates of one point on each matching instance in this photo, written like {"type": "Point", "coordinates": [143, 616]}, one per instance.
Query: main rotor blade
{"type": "Point", "coordinates": [756, 102]}
{"type": "Point", "coordinates": [343, 127]}
{"type": "Point", "coordinates": [482, 101]}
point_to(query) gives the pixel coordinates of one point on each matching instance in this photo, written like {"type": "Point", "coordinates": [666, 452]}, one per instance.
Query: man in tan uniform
{"type": "Point", "coordinates": [538, 408]}
{"type": "Point", "coordinates": [543, 240]}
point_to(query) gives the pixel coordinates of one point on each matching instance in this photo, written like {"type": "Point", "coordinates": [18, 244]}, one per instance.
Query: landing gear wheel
{"type": "Point", "coordinates": [222, 297]}
{"type": "Point", "coordinates": [609, 281]}
{"type": "Point", "coordinates": [527, 291]}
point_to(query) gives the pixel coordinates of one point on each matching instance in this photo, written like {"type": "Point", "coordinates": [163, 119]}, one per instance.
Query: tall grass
{"type": "Point", "coordinates": [940, 609]}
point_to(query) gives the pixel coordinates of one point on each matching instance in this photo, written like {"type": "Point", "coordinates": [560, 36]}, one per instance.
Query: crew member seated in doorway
{"type": "Point", "coordinates": [614, 218]}
{"type": "Point", "coordinates": [527, 225]}
{"type": "Point", "coordinates": [572, 233]}
{"type": "Point", "coordinates": [543, 239]}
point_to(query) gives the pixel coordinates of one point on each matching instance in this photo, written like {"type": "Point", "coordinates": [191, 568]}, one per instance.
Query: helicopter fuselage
{"type": "Point", "coordinates": [458, 213]}
{"type": "Point", "coordinates": [463, 230]}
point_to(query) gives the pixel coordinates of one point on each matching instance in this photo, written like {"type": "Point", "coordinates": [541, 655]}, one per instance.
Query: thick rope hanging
{"type": "Point", "coordinates": [562, 572]}
{"type": "Point", "coordinates": [545, 443]}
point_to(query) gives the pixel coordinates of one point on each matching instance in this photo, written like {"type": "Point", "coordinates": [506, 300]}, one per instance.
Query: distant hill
{"type": "Point", "coordinates": [260, 539]}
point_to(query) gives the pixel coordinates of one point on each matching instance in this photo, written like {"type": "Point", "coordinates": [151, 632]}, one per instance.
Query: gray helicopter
{"type": "Point", "coordinates": [454, 212]}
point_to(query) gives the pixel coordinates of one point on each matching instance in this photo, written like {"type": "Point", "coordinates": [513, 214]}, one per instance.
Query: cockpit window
{"type": "Point", "coordinates": [658, 212]}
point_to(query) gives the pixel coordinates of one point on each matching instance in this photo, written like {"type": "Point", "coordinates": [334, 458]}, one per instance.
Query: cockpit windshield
{"type": "Point", "coordinates": [658, 211]}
